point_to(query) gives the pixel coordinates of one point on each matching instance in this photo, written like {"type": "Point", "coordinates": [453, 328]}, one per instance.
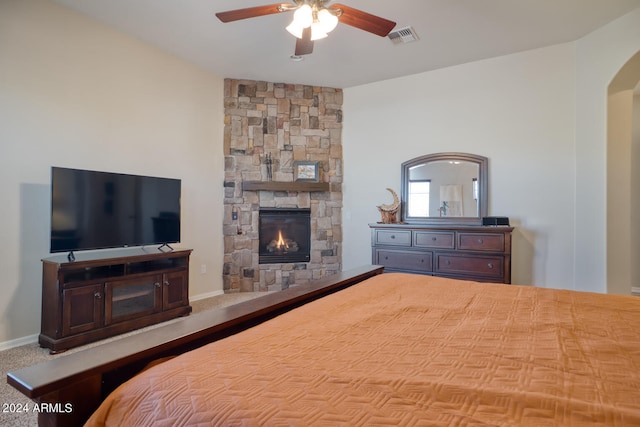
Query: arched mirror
{"type": "Point", "coordinates": [444, 188]}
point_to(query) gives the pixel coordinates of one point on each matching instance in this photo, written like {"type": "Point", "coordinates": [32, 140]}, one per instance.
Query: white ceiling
{"type": "Point", "coordinates": [451, 32]}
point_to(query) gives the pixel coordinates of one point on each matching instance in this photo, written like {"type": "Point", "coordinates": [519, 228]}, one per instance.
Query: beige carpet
{"type": "Point", "coordinates": [12, 401]}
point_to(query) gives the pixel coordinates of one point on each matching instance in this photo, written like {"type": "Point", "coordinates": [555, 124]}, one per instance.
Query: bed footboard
{"type": "Point", "coordinates": [72, 387]}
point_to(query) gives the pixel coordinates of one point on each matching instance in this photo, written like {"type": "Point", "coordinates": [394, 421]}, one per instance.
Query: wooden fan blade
{"type": "Point", "coordinates": [252, 12]}
{"type": "Point", "coordinates": [304, 46]}
{"type": "Point", "coordinates": [364, 21]}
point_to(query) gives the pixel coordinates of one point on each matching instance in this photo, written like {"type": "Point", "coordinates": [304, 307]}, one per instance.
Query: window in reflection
{"type": "Point", "coordinates": [474, 185]}
{"type": "Point", "coordinates": [419, 197]}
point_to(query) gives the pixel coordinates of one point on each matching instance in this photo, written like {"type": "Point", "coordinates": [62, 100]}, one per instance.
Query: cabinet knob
{"type": "Point", "coordinates": [393, 236]}
{"type": "Point", "coordinates": [490, 265]}
{"type": "Point", "coordinates": [157, 284]}
{"type": "Point", "coordinates": [166, 283]}
{"type": "Point", "coordinates": [97, 295]}
{"type": "Point", "coordinates": [434, 238]}
{"type": "Point", "coordinates": [480, 241]}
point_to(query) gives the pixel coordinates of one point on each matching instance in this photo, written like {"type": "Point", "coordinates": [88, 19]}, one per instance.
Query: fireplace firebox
{"type": "Point", "coordinates": [285, 235]}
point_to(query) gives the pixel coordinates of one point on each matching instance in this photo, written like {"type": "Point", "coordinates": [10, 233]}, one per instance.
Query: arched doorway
{"type": "Point", "coordinates": [623, 179]}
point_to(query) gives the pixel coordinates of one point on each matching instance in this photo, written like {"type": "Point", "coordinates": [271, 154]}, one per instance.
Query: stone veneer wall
{"type": "Point", "coordinates": [292, 123]}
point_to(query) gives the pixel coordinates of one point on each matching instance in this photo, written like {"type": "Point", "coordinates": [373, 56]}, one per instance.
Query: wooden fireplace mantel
{"type": "Point", "coordinates": [285, 186]}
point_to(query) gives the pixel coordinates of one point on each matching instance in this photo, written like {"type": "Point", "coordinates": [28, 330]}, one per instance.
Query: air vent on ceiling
{"type": "Point", "coordinates": [403, 35]}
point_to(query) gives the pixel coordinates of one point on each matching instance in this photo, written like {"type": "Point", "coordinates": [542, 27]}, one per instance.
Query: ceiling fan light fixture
{"type": "Point", "coordinates": [295, 29]}
{"type": "Point", "coordinates": [304, 15]}
{"type": "Point", "coordinates": [302, 18]}
{"type": "Point", "coordinates": [317, 32]}
{"type": "Point", "coordinates": [321, 22]}
{"type": "Point", "coordinates": [327, 20]}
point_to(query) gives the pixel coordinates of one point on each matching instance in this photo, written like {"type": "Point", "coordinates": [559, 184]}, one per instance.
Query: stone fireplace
{"type": "Point", "coordinates": [268, 128]}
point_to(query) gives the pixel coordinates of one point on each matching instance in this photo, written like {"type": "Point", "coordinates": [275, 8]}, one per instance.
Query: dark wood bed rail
{"type": "Point", "coordinates": [75, 384]}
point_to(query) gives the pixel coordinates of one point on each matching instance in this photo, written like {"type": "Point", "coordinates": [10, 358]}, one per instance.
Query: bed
{"type": "Point", "coordinates": [401, 349]}
{"type": "Point", "coordinates": [385, 349]}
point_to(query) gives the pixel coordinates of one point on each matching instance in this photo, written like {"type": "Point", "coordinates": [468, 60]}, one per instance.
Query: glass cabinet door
{"type": "Point", "coordinates": [128, 299]}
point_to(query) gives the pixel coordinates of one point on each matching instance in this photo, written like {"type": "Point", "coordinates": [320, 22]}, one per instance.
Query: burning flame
{"type": "Point", "coordinates": [281, 244]}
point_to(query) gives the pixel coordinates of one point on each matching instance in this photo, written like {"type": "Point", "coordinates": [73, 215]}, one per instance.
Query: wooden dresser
{"type": "Point", "coordinates": [471, 252]}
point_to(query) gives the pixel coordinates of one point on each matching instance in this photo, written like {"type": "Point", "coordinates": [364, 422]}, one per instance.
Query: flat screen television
{"type": "Point", "coordinates": [97, 210]}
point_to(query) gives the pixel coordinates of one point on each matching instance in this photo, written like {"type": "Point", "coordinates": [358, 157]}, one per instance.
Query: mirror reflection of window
{"type": "Point", "coordinates": [474, 183]}
{"type": "Point", "coordinates": [419, 198]}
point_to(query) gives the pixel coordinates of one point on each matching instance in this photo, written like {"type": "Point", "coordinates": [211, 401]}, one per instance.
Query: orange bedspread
{"type": "Point", "coordinates": [403, 349]}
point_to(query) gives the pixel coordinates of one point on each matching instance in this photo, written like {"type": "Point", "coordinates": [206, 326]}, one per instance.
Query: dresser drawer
{"type": "Point", "coordinates": [481, 242]}
{"type": "Point", "coordinates": [434, 239]}
{"type": "Point", "coordinates": [405, 260]}
{"type": "Point", "coordinates": [393, 237]}
{"type": "Point", "coordinates": [471, 265]}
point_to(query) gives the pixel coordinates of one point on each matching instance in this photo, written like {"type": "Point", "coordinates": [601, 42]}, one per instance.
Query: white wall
{"type": "Point", "coordinates": [540, 118]}
{"type": "Point", "coordinates": [623, 178]}
{"type": "Point", "coordinates": [77, 94]}
{"type": "Point", "coordinates": [619, 200]}
{"type": "Point", "coordinates": [634, 254]}
{"type": "Point", "coordinates": [599, 57]}
{"type": "Point", "coordinates": [516, 110]}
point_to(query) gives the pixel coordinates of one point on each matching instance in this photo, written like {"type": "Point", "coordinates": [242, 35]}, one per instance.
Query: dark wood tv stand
{"type": "Point", "coordinates": [107, 293]}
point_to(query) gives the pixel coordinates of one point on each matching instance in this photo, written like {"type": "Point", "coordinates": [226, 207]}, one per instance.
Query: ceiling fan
{"type": "Point", "coordinates": [313, 20]}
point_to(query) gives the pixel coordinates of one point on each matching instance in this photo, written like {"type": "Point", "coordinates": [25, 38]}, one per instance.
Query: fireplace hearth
{"type": "Point", "coordinates": [285, 235]}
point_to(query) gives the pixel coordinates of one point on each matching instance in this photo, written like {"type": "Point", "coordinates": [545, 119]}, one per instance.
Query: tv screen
{"type": "Point", "coordinates": [96, 210]}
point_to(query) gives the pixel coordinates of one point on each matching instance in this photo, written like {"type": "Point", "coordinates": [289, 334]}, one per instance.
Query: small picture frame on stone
{"type": "Point", "coordinates": [305, 171]}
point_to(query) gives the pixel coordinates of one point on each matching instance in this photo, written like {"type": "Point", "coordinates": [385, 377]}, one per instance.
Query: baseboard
{"type": "Point", "coordinates": [205, 296]}
{"type": "Point", "coordinates": [635, 290]}
{"type": "Point", "coordinates": [29, 339]}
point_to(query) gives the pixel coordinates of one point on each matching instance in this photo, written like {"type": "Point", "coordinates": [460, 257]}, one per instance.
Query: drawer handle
{"type": "Point", "coordinates": [480, 241]}
{"type": "Point", "coordinates": [490, 265]}
{"type": "Point", "coordinates": [393, 236]}
{"type": "Point", "coordinates": [386, 258]}
{"type": "Point", "coordinates": [97, 295]}
{"type": "Point", "coordinates": [447, 262]}
{"type": "Point", "coordinates": [434, 238]}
